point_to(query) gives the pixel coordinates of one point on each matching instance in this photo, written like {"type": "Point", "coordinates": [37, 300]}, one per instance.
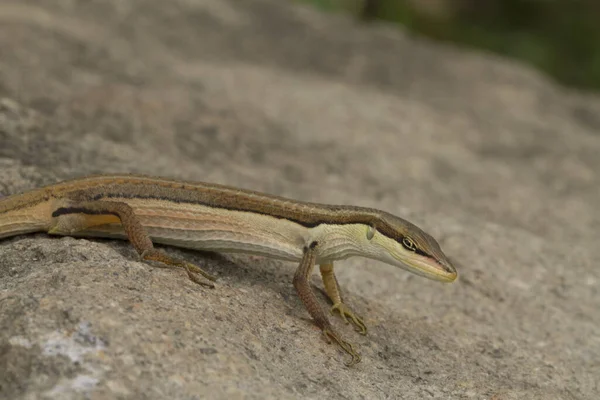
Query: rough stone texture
{"type": "Point", "coordinates": [497, 162]}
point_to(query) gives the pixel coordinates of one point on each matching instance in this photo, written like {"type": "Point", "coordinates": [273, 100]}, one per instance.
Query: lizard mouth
{"type": "Point", "coordinates": [437, 270]}
{"type": "Point", "coordinates": [431, 268]}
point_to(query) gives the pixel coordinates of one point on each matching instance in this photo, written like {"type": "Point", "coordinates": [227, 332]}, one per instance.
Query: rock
{"type": "Point", "coordinates": [492, 158]}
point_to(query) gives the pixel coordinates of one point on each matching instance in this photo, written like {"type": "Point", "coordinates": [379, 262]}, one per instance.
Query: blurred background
{"type": "Point", "coordinates": [559, 37]}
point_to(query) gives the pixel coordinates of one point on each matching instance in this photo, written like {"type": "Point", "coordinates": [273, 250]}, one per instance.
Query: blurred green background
{"type": "Point", "coordinates": [560, 37]}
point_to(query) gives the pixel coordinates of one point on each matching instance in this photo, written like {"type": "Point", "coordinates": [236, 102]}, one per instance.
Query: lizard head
{"type": "Point", "coordinates": [398, 242]}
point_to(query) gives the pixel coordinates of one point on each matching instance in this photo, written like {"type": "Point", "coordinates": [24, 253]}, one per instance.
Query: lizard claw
{"type": "Point", "coordinates": [330, 334]}
{"type": "Point", "coordinates": [346, 312]}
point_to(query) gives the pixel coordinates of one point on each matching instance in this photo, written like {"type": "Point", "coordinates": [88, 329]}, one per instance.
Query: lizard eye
{"type": "Point", "coordinates": [370, 232]}
{"type": "Point", "coordinates": [409, 244]}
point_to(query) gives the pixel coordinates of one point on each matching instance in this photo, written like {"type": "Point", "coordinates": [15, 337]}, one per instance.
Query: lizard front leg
{"type": "Point", "coordinates": [332, 288]}
{"type": "Point", "coordinates": [307, 296]}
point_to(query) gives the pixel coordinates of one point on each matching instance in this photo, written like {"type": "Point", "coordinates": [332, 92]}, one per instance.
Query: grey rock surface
{"type": "Point", "coordinates": [496, 161]}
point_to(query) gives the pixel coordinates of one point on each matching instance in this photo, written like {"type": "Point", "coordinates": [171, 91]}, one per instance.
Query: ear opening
{"type": "Point", "coordinates": [370, 232]}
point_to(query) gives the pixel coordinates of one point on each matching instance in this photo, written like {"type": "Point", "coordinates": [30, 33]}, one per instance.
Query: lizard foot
{"type": "Point", "coordinates": [345, 313]}
{"type": "Point", "coordinates": [330, 335]}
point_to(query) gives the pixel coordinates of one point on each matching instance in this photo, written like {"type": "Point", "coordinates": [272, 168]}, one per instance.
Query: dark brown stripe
{"type": "Point", "coordinates": [306, 222]}
{"type": "Point", "coordinates": [79, 210]}
{"type": "Point", "coordinates": [306, 214]}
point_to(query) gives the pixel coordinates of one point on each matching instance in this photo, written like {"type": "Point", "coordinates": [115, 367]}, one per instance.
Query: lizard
{"type": "Point", "coordinates": [205, 216]}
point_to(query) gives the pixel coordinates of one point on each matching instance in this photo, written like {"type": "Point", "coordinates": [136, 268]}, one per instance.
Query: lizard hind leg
{"type": "Point", "coordinates": [81, 216]}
